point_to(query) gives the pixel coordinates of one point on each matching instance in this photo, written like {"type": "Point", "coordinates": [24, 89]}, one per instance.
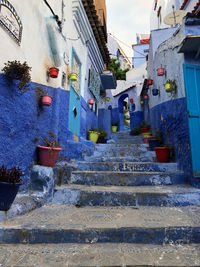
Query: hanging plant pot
{"type": "Point", "coordinates": [170, 86]}
{"type": "Point", "coordinates": [141, 102]}
{"type": "Point", "coordinates": [162, 154]}
{"type": "Point", "coordinates": [131, 100]}
{"type": "Point", "coordinates": [160, 71]}
{"type": "Point", "coordinates": [46, 100]}
{"type": "Point", "coordinates": [73, 77]}
{"type": "Point", "coordinates": [48, 155]}
{"type": "Point", "coordinates": [8, 192]}
{"type": "Point", "coordinates": [53, 72]}
{"type": "Point", "coordinates": [155, 92]}
{"type": "Point", "coordinates": [146, 97]}
{"type": "Point", "coordinates": [133, 107]}
{"type": "Point", "coordinates": [91, 101]}
{"type": "Point", "coordinates": [107, 99]}
{"type": "Point", "coordinates": [150, 82]}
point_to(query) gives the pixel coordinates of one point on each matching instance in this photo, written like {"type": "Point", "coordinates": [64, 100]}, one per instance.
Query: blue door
{"type": "Point", "coordinates": [74, 102]}
{"type": "Point", "coordinates": [192, 88]}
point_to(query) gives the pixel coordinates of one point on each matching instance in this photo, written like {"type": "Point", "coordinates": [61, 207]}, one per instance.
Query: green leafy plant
{"type": "Point", "coordinates": [136, 131]}
{"type": "Point", "coordinates": [102, 136]}
{"type": "Point", "coordinates": [115, 123]}
{"type": "Point", "coordinates": [16, 70]}
{"type": "Point", "coordinates": [144, 124]}
{"type": "Point", "coordinates": [114, 66]}
{"type": "Point", "coordinates": [10, 175]}
{"type": "Point", "coordinates": [51, 141]}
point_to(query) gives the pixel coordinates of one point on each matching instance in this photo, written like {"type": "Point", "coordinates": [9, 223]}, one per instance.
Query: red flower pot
{"type": "Point", "coordinates": [48, 155]}
{"type": "Point", "coordinates": [162, 154]}
{"type": "Point", "coordinates": [53, 72]}
{"type": "Point", "coordinates": [145, 130]}
{"type": "Point", "coordinates": [150, 82]}
{"type": "Point", "coordinates": [160, 72]}
{"type": "Point", "coordinates": [131, 100]}
{"type": "Point", "coordinates": [46, 100]}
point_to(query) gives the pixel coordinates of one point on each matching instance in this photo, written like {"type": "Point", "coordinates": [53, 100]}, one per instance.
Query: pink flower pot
{"type": "Point", "coordinates": [46, 100]}
{"type": "Point", "coordinates": [48, 155]}
{"type": "Point", "coordinates": [160, 72]}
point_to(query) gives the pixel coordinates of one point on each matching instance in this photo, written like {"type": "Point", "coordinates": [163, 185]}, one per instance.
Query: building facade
{"type": "Point", "coordinates": [46, 34]}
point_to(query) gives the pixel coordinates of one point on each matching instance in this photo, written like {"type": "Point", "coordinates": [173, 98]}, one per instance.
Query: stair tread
{"type": "Point", "coordinates": [107, 255]}
{"type": "Point", "coordinates": [58, 216]}
{"type": "Point", "coordinates": [161, 189]}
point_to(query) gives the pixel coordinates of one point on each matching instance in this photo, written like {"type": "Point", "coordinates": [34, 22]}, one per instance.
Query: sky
{"type": "Point", "coordinates": [125, 18]}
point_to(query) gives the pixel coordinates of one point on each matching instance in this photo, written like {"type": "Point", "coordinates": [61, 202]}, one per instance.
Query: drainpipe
{"type": "Point", "coordinates": [55, 16]}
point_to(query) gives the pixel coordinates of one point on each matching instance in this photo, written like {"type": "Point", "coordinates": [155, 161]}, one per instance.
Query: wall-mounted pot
{"type": "Point", "coordinates": [150, 82]}
{"type": "Point", "coordinates": [46, 100]}
{"type": "Point", "coordinates": [160, 71]}
{"type": "Point", "coordinates": [155, 92]}
{"type": "Point", "coordinates": [53, 72]}
{"type": "Point", "coordinates": [73, 77]}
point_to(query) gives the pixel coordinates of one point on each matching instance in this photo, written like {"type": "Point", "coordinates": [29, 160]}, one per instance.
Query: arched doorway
{"type": "Point", "coordinates": [124, 112]}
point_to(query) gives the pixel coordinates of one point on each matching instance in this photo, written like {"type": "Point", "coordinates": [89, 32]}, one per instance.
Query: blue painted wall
{"type": "Point", "coordinates": [171, 118]}
{"type": "Point", "coordinates": [22, 121]}
{"type": "Point", "coordinates": [136, 118]}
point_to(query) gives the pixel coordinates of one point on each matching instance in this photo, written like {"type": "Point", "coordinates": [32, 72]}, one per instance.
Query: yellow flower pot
{"type": "Point", "coordinates": [93, 136]}
{"type": "Point", "coordinates": [141, 102]}
{"type": "Point", "coordinates": [73, 77]}
{"type": "Point", "coordinates": [146, 134]}
{"type": "Point", "coordinates": [114, 129]}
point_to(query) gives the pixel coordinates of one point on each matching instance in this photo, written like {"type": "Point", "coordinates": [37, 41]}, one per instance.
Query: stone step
{"type": "Point", "coordinates": [104, 178]}
{"type": "Point", "coordinates": [127, 166]}
{"type": "Point", "coordinates": [103, 147]}
{"type": "Point", "coordinates": [84, 195]}
{"type": "Point", "coordinates": [125, 153]}
{"type": "Point", "coordinates": [66, 224]}
{"type": "Point", "coordinates": [105, 254]}
{"type": "Point", "coordinates": [126, 141]}
{"type": "Point", "coordinates": [142, 158]}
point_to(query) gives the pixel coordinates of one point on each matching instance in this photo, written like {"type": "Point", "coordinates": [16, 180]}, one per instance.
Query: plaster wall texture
{"type": "Point", "coordinates": [139, 54]}
{"type": "Point", "coordinates": [166, 8]}
{"type": "Point", "coordinates": [21, 119]}
{"type": "Point", "coordinates": [168, 112]}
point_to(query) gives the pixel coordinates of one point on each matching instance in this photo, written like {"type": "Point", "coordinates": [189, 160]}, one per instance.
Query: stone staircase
{"type": "Point", "coordinates": [119, 207]}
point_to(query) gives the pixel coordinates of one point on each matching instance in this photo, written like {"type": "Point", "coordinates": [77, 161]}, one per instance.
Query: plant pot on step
{"type": "Point", "coordinates": [93, 136]}
{"type": "Point", "coordinates": [46, 100]}
{"type": "Point", "coordinates": [162, 154]}
{"type": "Point", "coordinates": [48, 155]}
{"type": "Point", "coordinates": [146, 139]}
{"type": "Point", "coordinates": [114, 129]}
{"type": "Point", "coordinates": [145, 130]}
{"type": "Point", "coordinates": [8, 193]}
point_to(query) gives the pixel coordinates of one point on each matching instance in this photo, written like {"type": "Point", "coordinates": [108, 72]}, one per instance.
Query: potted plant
{"type": "Point", "coordinates": [73, 77]}
{"type": "Point", "coordinates": [170, 86]}
{"type": "Point", "coordinates": [141, 102]}
{"type": "Point", "coordinates": [150, 82]}
{"type": "Point", "coordinates": [48, 154]}
{"type": "Point", "coordinates": [114, 126]}
{"type": "Point", "coordinates": [160, 71]}
{"type": "Point", "coordinates": [162, 153]}
{"type": "Point", "coordinates": [145, 127]}
{"type": "Point", "coordinates": [136, 131]}
{"type": "Point", "coordinates": [53, 72]}
{"type": "Point", "coordinates": [18, 71]}
{"type": "Point", "coordinates": [155, 92]}
{"type": "Point", "coordinates": [102, 136]}
{"type": "Point", "coordinates": [10, 182]}
{"type": "Point", "coordinates": [93, 134]}
{"type": "Point", "coordinates": [43, 97]}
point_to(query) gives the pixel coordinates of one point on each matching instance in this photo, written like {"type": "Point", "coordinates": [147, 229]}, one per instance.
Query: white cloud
{"type": "Point", "coordinates": [128, 17]}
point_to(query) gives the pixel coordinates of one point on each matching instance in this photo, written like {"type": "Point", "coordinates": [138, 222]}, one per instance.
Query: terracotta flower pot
{"type": "Point", "coordinates": [160, 71]}
{"type": "Point", "coordinates": [46, 100]}
{"type": "Point", "coordinates": [48, 155]}
{"type": "Point", "coordinates": [162, 154]}
{"type": "Point", "coordinates": [53, 72]}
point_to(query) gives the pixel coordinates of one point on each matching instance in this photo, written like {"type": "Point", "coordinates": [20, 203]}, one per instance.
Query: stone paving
{"type": "Point", "coordinates": [127, 210]}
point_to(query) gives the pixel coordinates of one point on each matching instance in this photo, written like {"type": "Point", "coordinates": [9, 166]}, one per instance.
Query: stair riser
{"type": "Point", "coordinates": [88, 198]}
{"type": "Point", "coordinates": [120, 159]}
{"type": "Point", "coordinates": [127, 166]}
{"type": "Point", "coordinates": [124, 153]}
{"type": "Point", "coordinates": [158, 236]}
{"type": "Point", "coordinates": [129, 179]}
{"type": "Point", "coordinates": [122, 149]}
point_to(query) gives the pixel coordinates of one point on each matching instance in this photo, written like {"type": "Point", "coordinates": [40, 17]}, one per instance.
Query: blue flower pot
{"type": "Point", "coordinates": [8, 193]}
{"type": "Point", "coordinates": [155, 91]}
{"type": "Point", "coordinates": [153, 143]}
